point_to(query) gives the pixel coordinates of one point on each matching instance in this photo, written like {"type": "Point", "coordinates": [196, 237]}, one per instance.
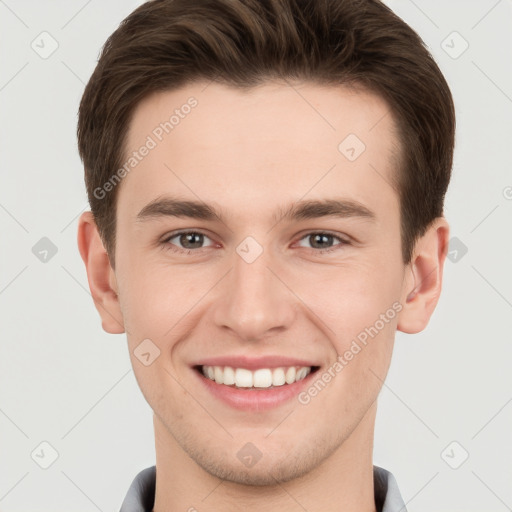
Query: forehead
{"type": "Point", "coordinates": [264, 145]}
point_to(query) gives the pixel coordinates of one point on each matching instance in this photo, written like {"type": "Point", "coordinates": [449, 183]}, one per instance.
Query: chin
{"type": "Point", "coordinates": [271, 469]}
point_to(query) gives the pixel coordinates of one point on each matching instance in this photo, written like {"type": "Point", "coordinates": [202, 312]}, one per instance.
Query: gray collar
{"type": "Point", "coordinates": [141, 494]}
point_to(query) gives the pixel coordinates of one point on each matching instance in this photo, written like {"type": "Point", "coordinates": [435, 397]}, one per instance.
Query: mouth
{"type": "Point", "coordinates": [254, 384]}
{"type": "Point", "coordinates": [257, 379]}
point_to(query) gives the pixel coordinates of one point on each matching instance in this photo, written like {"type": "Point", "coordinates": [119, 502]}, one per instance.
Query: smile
{"type": "Point", "coordinates": [255, 390]}
{"type": "Point", "coordinates": [260, 378]}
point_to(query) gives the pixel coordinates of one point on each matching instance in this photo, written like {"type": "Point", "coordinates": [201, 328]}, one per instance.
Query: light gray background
{"type": "Point", "coordinates": [64, 381]}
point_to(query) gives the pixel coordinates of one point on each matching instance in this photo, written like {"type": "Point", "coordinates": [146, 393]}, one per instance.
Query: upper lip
{"type": "Point", "coordinates": [253, 363]}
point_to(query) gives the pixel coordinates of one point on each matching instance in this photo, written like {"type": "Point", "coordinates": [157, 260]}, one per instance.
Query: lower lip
{"type": "Point", "coordinates": [255, 399]}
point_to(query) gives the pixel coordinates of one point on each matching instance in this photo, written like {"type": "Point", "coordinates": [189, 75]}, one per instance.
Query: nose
{"type": "Point", "coordinates": [255, 300]}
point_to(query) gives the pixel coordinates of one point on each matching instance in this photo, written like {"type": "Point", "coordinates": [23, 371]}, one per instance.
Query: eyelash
{"type": "Point", "coordinates": [171, 247]}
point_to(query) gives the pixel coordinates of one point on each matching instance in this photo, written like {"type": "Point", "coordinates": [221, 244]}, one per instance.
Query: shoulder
{"type": "Point", "coordinates": [387, 494]}
{"type": "Point", "coordinates": [141, 493]}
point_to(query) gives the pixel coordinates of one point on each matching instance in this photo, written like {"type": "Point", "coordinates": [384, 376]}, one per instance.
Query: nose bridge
{"type": "Point", "coordinates": [254, 300]}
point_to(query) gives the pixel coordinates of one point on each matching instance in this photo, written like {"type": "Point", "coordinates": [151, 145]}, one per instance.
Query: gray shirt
{"type": "Point", "coordinates": [141, 494]}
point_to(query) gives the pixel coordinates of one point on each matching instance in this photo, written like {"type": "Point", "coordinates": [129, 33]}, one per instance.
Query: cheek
{"type": "Point", "coordinates": [353, 297]}
{"type": "Point", "coordinates": [163, 304]}
{"type": "Point", "coordinates": [156, 308]}
{"type": "Point", "coordinates": [150, 294]}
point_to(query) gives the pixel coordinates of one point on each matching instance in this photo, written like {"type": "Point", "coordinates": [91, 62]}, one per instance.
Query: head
{"type": "Point", "coordinates": [267, 115]}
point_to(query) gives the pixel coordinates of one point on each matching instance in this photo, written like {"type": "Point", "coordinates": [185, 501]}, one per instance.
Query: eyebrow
{"type": "Point", "coordinates": [300, 210]}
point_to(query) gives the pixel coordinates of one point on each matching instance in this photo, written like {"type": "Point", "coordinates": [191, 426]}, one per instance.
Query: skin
{"type": "Point", "coordinates": [250, 153]}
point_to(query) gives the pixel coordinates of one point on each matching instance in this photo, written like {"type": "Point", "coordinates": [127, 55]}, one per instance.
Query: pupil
{"type": "Point", "coordinates": [320, 236]}
{"type": "Point", "coordinates": [188, 238]}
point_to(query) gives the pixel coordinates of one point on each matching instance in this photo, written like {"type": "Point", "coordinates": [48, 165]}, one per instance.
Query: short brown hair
{"type": "Point", "coordinates": [165, 44]}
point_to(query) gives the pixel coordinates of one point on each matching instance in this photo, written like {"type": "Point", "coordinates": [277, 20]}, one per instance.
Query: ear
{"type": "Point", "coordinates": [101, 276]}
{"type": "Point", "coordinates": [424, 277]}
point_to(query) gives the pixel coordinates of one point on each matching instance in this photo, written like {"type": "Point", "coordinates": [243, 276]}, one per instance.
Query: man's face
{"type": "Point", "coordinates": [254, 283]}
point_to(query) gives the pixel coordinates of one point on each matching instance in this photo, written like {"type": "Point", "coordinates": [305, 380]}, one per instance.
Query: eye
{"type": "Point", "coordinates": [189, 241]}
{"type": "Point", "coordinates": [321, 241]}
{"type": "Point", "coordinates": [193, 241]}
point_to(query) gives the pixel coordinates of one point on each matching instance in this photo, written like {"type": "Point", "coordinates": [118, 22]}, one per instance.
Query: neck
{"type": "Point", "coordinates": [341, 482]}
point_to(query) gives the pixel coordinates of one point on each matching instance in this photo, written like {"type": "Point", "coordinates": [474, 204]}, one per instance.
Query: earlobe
{"type": "Point", "coordinates": [100, 275]}
{"type": "Point", "coordinates": [422, 286]}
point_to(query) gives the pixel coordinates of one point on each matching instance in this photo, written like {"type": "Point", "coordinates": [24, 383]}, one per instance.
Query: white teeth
{"type": "Point", "coordinates": [278, 377]}
{"type": "Point", "coordinates": [243, 378]}
{"type": "Point", "coordinates": [229, 376]}
{"type": "Point", "coordinates": [261, 378]}
{"type": "Point", "coordinates": [290, 375]}
{"type": "Point", "coordinates": [219, 375]}
{"type": "Point", "coordinates": [301, 373]}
